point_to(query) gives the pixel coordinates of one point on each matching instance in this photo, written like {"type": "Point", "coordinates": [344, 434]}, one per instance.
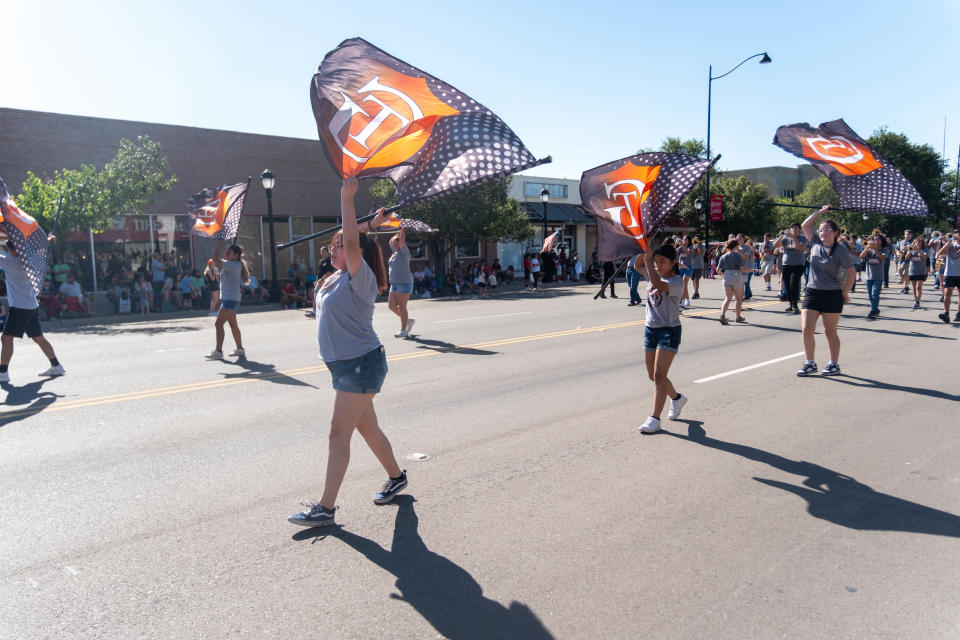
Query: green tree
{"type": "Point", "coordinates": [126, 185]}
{"type": "Point", "coordinates": [485, 212]}
{"type": "Point", "coordinates": [923, 167]}
{"type": "Point", "coordinates": [742, 211]}
{"type": "Point", "coordinates": [687, 210]}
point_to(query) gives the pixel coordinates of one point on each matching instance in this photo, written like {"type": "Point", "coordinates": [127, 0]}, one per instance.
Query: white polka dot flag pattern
{"type": "Point", "coordinates": [652, 184]}
{"type": "Point", "coordinates": [29, 240]}
{"type": "Point", "coordinates": [863, 179]}
{"type": "Point", "coordinates": [380, 117]}
{"type": "Point", "coordinates": [411, 225]}
{"type": "Point", "coordinates": [216, 212]}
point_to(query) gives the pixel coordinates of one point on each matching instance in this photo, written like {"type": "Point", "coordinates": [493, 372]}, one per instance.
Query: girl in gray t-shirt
{"type": "Point", "coordinates": [401, 282]}
{"type": "Point", "coordinates": [661, 335]}
{"type": "Point", "coordinates": [352, 352]}
{"type": "Point", "coordinates": [831, 275]}
{"type": "Point", "coordinates": [874, 256]}
{"type": "Point", "coordinates": [918, 265]}
{"type": "Point", "coordinates": [949, 252]}
{"type": "Point", "coordinates": [233, 275]}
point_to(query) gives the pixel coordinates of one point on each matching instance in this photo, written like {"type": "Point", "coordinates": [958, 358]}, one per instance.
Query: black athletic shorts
{"type": "Point", "coordinates": [20, 321]}
{"type": "Point", "coordinates": [823, 300]}
{"type": "Point", "coordinates": [951, 281]}
{"type": "Point", "coordinates": [918, 278]}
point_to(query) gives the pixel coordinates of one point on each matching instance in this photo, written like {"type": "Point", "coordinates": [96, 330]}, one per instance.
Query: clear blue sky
{"type": "Point", "coordinates": [587, 82]}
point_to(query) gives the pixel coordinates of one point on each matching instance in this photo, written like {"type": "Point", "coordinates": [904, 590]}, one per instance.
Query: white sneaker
{"type": "Point", "coordinates": [4, 377]}
{"type": "Point", "coordinates": [239, 352]}
{"type": "Point", "coordinates": [409, 328]}
{"type": "Point", "coordinates": [652, 425]}
{"type": "Point", "coordinates": [401, 334]}
{"type": "Point", "coordinates": [685, 302]}
{"type": "Point", "coordinates": [676, 406]}
{"type": "Point", "coordinates": [54, 371]}
{"type": "Point", "coordinates": [215, 355]}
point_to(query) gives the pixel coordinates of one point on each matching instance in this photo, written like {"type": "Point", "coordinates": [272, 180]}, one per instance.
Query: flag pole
{"type": "Point", "coordinates": [56, 219]}
{"type": "Point", "coordinates": [613, 277]}
{"type": "Point", "coordinates": [395, 207]}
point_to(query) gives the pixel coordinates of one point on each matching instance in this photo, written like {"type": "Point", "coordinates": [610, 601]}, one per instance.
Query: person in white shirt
{"type": "Point", "coordinates": [24, 316]}
{"type": "Point", "coordinates": [72, 289]}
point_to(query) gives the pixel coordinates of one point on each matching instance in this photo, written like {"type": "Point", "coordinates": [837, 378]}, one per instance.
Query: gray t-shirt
{"type": "Point", "coordinates": [951, 261]}
{"type": "Point", "coordinates": [793, 251]}
{"type": "Point", "coordinates": [156, 269]}
{"type": "Point", "coordinates": [918, 263]}
{"type": "Point", "coordinates": [663, 307]}
{"type": "Point", "coordinates": [230, 281]}
{"type": "Point", "coordinates": [399, 265]}
{"type": "Point", "coordinates": [766, 252]}
{"type": "Point", "coordinates": [874, 263]}
{"type": "Point", "coordinates": [345, 315]}
{"type": "Point", "coordinates": [826, 265]}
{"type": "Point", "coordinates": [683, 256]}
{"type": "Point", "coordinates": [20, 293]}
{"type": "Point", "coordinates": [696, 257]}
{"type": "Point", "coordinates": [730, 263]}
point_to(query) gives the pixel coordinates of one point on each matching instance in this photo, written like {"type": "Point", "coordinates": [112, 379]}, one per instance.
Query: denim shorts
{"type": "Point", "coordinates": [229, 305]}
{"type": "Point", "coordinates": [685, 272]}
{"type": "Point", "coordinates": [401, 288]}
{"type": "Point", "coordinates": [662, 338]}
{"type": "Point", "coordinates": [360, 375]}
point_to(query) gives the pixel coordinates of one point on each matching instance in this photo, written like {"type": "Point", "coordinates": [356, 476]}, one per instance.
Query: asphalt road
{"type": "Point", "coordinates": [145, 494]}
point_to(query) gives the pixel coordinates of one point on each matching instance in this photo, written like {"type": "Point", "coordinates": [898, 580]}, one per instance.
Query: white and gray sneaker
{"type": "Point", "coordinates": [239, 352]}
{"type": "Point", "coordinates": [401, 334]}
{"type": "Point", "coordinates": [391, 488]}
{"type": "Point", "coordinates": [54, 371]}
{"type": "Point", "coordinates": [676, 406]}
{"type": "Point", "coordinates": [315, 515]}
{"type": "Point", "coordinates": [409, 328]}
{"type": "Point", "coordinates": [216, 354]}
{"type": "Point", "coordinates": [4, 377]}
{"type": "Point", "coordinates": [652, 425]}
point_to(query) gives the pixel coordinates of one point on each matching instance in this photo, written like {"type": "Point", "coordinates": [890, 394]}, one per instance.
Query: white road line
{"type": "Point", "coordinates": [753, 366]}
{"type": "Point", "coordinates": [499, 315]}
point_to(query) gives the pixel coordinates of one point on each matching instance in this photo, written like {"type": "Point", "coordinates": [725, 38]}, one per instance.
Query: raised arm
{"type": "Point", "coordinates": [807, 225]}
{"type": "Point", "coordinates": [217, 260]}
{"type": "Point", "coordinates": [351, 231]}
{"type": "Point", "coordinates": [655, 280]}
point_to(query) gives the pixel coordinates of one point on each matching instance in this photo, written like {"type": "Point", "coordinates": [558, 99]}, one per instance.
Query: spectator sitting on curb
{"type": "Point", "coordinates": [71, 296]}
{"type": "Point", "coordinates": [48, 297]}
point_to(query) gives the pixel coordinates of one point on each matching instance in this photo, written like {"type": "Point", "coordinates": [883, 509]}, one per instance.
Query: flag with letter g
{"type": "Point", "coordinates": [863, 179]}
{"type": "Point", "coordinates": [216, 212]}
{"type": "Point", "coordinates": [630, 198]}
{"type": "Point", "coordinates": [378, 116]}
{"type": "Point", "coordinates": [29, 240]}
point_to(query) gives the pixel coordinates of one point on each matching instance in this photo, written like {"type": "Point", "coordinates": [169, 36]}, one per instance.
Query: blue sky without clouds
{"type": "Point", "coordinates": [587, 82]}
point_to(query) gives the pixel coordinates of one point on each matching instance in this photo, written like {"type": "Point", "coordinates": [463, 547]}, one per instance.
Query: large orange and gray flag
{"type": "Point", "coordinates": [630, 198]}
{"type": "Point", "coordinates": [863, 179]}
{"type": "Point", "coordinates": [216, 212]}
{"type": "Point", "coordinates": [379, 116]}
{"type": "Point", "coordinates": [29, 240]}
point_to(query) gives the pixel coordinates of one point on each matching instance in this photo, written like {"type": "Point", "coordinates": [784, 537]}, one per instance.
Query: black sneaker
{"type": "Point", "coordinates": [956, 318]}
{"type": "Point", "coordinates": [724, 321]}
{"type": "Point", "coordinates": [391, 488]}
{"type": "Point", "coordinates": [945, 317]}
{"type": "Point", "coordinates": [807, 369]}
{"type": "Point", "coordinates": [796, 311]}
{"type": "Point", "coordinates": [832, 369]}
{"type": "Point", "coordinates": [696, 296]}
{"type": "Point", "coordinates": [789, 309]}
{"type": "Point", "coordinates": [916, 305]}
{"type": "Point", "coordinates": [316, 515]}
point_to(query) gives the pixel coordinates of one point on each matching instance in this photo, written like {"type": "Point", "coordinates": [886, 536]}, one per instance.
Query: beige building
{"type": "Point", "coordinates": [781, 182]}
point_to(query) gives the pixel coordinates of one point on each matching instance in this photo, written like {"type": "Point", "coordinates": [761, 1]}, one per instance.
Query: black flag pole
{"type": "Point", "coordinates": [56, 219]}
{"type": "Point", "coordinates": [613, 277]}
{"type": "Point", "coordinates": [392, 209]}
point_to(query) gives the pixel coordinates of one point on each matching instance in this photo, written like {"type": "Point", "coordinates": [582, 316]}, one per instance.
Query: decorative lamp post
{"type": "Point", "coordinates": [544, 198]}
{"type": "Point", "coordinates": [764, 59]}
{"type": "Point", "coordinates": [268, 180]}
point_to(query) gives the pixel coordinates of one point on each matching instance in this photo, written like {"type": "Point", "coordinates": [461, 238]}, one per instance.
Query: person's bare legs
{"type": "Point", "coordinates": [830, 322]}
{"type": "Point", "coordinates": [44, 345]}
{"type": "Point", "coordinates": [738, 293]}
{"type": "Point", "coordinates": [231, 318]}
{"type": "Point", "coordinates": [728, 298]}
{"type": "Point", "coordinates": [917, 290]}
{"type": "Point", "coordinates": [347, 411]}
{"type": "Point", "coordinates": [218, 326]}
{"type": "Point", "coordinates": [6, 353]}
{"type": "Point", "coordinates": [658, 364]}
{"type": "Point", "coordinates": [376, 439]}
{"type": "Point", "coordinates": [808, 327]}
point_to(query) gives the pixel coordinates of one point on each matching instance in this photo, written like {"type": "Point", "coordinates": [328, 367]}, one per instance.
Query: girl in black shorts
{"type": "Point", "coordinates": [827, 290]}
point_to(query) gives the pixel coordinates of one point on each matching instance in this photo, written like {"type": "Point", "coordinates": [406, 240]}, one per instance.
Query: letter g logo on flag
{"type": "Point", "coordinates": [844, 155]}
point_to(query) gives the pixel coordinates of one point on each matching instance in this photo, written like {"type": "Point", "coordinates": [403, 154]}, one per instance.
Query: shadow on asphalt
{"type": "Point", "coordinates": [907, 334]}
{"type": "Point", "coordinates": [836, 497]}
{"type": "Point", "coordinates": [445, 594]}
{"type": "Point", "coordinates": [570, 289]}
{"type": "Point", "coordinates": [26, 400]}
{"type": "Point", "coordinates": [867, 383]}
{"type": "Point", "coordinates": [120, 329]}
{"type": "Point", "coordinates": [448, 347]}
{"type": "Point", "coordinates": [262, 371]}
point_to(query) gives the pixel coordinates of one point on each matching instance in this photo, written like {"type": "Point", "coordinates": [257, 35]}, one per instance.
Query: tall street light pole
{"type": "Point", "coordinates": [544, 198]}
{"type": "Point", "coordinates": [268, 180]}
{"type": "Point", "coordinates": [763, 60]}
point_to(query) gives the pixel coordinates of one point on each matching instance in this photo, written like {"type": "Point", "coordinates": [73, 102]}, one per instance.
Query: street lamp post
{"type": "Point", "coordinates": [544, 198]}
{"type": "Point", "coordinates": [763, 60]}
{"type": "Point", "coordinates": [268, 180]}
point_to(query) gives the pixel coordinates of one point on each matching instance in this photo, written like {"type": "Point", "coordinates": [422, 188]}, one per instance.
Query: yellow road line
{"type": "Point", "coordinates": [229, 382]}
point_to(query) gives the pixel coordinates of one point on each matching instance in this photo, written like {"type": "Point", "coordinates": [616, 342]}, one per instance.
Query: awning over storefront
{"type": "Point", "coordinates": [557, 213]}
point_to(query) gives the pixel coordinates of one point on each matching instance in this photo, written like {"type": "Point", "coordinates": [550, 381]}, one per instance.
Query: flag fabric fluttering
{"type": "Point", "coordinates": [411, 225]}
{"type": "Point", "coordinates": [380, 117]}
{"type": "Point", "coordinates": [29, 240]}
{"type": "Point", "coordinates": [863, 179]}
{"type": "Point", "coordinates": [216, 212]}
{"type": "Point", "coordinates": [630, 198]}
{"type": "Point", "coordinates": [550, 241]}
